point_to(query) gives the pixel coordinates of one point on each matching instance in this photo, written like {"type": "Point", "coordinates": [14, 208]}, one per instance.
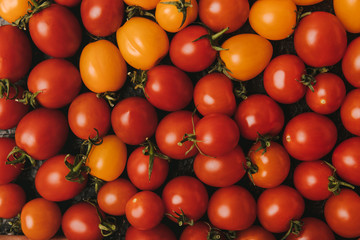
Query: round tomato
{"type": "Point", "coordinates": [160, 232]}
{"type": "Point", "coordinates": [8, 172]}
{"type": "Point", "coordinates": [345, 11]}
{"type": "Point", "coordinates": [12, 199]}
{"type": "Point", "coordinates": [350, 67]}
{"type": "Point", "coordinates": [254, 233]}
{"type": "Point", "coordinates": [313, 228]}
{"type": "Point", "coordinates": [11, 10]}
{"type": "Point", "coordinates": [144, 4]}
{"type": "Point", "coordinates": [350, 112]}
{"type": "Point", "coordinates": [306, 2]}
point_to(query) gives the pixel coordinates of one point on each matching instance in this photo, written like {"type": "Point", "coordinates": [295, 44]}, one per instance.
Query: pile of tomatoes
{"type": "Point", "coordinates": [180, 119]}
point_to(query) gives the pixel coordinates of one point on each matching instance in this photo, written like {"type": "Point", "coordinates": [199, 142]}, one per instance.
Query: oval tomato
{"type": "Point", "coordinates": [12, 199]}
{"type": "Point", "coordinates": [350, 112]}
{"type": "Point", "coordinates": [160, 232]}
{"type": "Point", "coordinates": [8, 172]}
{"type": "Point", "coordinates": [345, 11]}
{"type": "Point", "coordinates": [313, 228]}
{"type": "Point", "coordinates": [349, 64]}
{"type": "Point", "coordinates": [254, 233]}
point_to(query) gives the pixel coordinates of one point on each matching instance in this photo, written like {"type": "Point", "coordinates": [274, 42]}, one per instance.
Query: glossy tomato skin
{"type": "Point", "coordinates": [200, 231]}
{"type": "Point", "coordinates": [8, 172]}
{"type": "Point", "coordinates": [102, 18]}
{"type": "Point", "coordinates": [144, 4]}
{"type": "Point", "coordinates": [12, 10]}
{"type": "Point", "coordinates": [15, 53]}
{"type": "Point", "coordinates": [350, 112]}
{"type": "Point", "coordinates": [345, 11]}
{"type": "Point", "coordinates": [168, 95]}
{"type": "Point", "coordinates": [57, 80]}
{"type": "Point", "coordinates": [219, 14]}
{"type": "Point", "coordinates": [347, 203]}
{"type": "Point", "coordinates": [208, 99]}
{"type": "Point", "coordinates": [254, 232]}
{"type": "Point", "coordinates": [160, 232]}
{"type": "Point", "coordinates": [68, 3]}
{"type": "Point", "coordinates": [232, 208]}
{"type": "Point", "coordinates": [258, 113]}
{"type": "Point", "coordinates": [309, 136]}
{"type": "Point", "coordinates": [349, 65]}
{"type": "Point", "coordinates": [48, 33]}
{"type": "Point", "coordinates": [320, 39]}
{"type": "Point", "coordinates": [40, 219]}
{"type": "Point", "coordinates": [313, 228]}
{"type": "Point", "coordinates": [12, 199]}
{"type": "Point", "coordinates": [134, 120]}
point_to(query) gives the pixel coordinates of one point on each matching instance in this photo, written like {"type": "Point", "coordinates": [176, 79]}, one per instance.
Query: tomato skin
{"type": "Point", "coordinates": [349, 66]}
{"type": "Point", "coordinates": [254, 233]}
{"type": "Point", "coordinates": [320, 39]}
{"type": "Point", "coordinates": [12, 10]}
{"type": "Point", "coordinates": [102, 67]}
{"type": "Point", "coordinates": [12, 199]}
{"type": "Point", "coordinates": [58, 81]}
{"type": "Point", "coordinates": [8, 172]}
{"type": "Point", "coordinates": [68, 3]}
{"type": "Point", "coordinates": [349, 112]}
{"type": "Point", "coordinates": [144, 4]}
{"type": "Point", "coordinates": [142, 43]}
{"type": "Point", "coordinates": [258, 113]}
{"type": "Point", "coordinates": [309, 136]}
{"type": "Point", "coordinates": [160, 232]}
{"type": "Point", "coordinates": [347, 203]}
{"type": "Point", "coordinates": [48, 33]}
{"type": "Point", "coordinates": [345, 11]}
{"type": "Point", "coordinates": [40, 219]}
{"type": "Point", "coordinates": [200, 231]}
{"type": "Point", "coordinates": [313, 228]}
{"type": "Point", "coordinates": [219, 14]}
{"type": "Point", "coordinates": [306, 2]}
{"type": "Point", "coordinates": [232, 208]}
{"type": "Point", "coordinates": [134, 120]}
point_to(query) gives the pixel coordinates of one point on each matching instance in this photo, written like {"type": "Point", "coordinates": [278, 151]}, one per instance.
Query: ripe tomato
{"type": "Point", "coordinates": [57, 80]}
{"type": "Point", "coordinates": [8, 172]}
{"type": "Point", "coordinates": [176, 15]}
{"type": "Point", "coordinates": [208, 99]}
{"type": "Point", "coordinates": [350, 112]}
{"type": "Point", "coordinates": [11, 10]}
{"type": "Point", "coordinates": [246, 56]}
{"type": "Point", "coordinates": [345, 11]}
{"type": "Point", "coordinates": [102, 67]}
{"type": "Point", "coordinates": [144, 4]}
{"type": "Point", "coordinates": [160, 232]}
{"type": "Point", "coordinates": [309, 136]}
{"type": "Point", "coordinates": [40, 219]}
{"type": "Point", "coordinates": [219, 14]}
{"type": "Point", "coordinates": [68, 3]}
{"type": "Point", "coordinates": [232, 208]}
{"type": "Point", "coordinates": [201, 231]}
{"type": "Point", "coordinates": [276, 207]}
{"type": "Point", "coordinates": [259, 114]}
{"type": "Point", "coordinates": [142, 42]}
{"type": "Point", "coordinates": [313, 228]}
{"type": "Point", "coordinates": [254, 233]}
{"type": "Point", "coordinates": [12, 199]}
{"type": "Point", "coordinates": [350, 67]}
{"type": "Point", "coordinates": [320, 39]}
{"type": "Point", "coordinates": [306, 2]}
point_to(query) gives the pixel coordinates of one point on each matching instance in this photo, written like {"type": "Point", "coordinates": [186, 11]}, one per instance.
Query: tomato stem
{"type": "Point", "coordinates": [132, 11]}
{"type": "Point", "coordinates": [295, 228]}
{"type": "Point", "coordinates": [19, 156]}
{"type": "Point", "coordinates": [29, 98]}
{"type": "Point", "coordinates": [111, 97]}
{"type": "Point", "coordinates": [212, 38]}
{"type": "Point", "coordinates": [139, 78]}
{"type": "Point", "coordinates": [5, 86]}
{"type": "Point", "coordinates": [181, 218]}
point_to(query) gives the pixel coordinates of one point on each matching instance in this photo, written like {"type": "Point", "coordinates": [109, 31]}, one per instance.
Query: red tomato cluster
{"type": "Point", "coordinates": [180, 119]}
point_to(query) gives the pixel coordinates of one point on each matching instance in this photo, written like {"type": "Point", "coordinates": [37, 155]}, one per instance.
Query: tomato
{"type": "Point", "coordinates": [277, 206]}
{"type": "Point", "coordinates": [219, 14]}
{"type": "Point", "coordinates": [40, 219]}
{"type": "Point", "coordinates": [176, 15]}
{"type": "Point", "coordinates": [134, 120]}
{"type": "Point", "coordinates": [349, 66]}
{"type": "Point", "coordinates": [107, 161]}
{"type": "Point", "coordinates": [138, 170]}
{"type": "Point", "coordinates": [88, 112]}
{"type": "Point", "coordinates": [81, 221]}
{"type": "Point", "coordinates": [350, 112]}
{"type": "Point", "coordinates": [102, 18]}
{"type": "Point", "coordinates": [144, 4]}
{"type": "Point", "coordinates": [15, 52]}
{"type": "Point", "coordinates": [208, 99]}
{"type": "Point", "coordinates": [246, 56]}
{"type": "Point", "coordinates": [345, 12]}
{"type": "Point", "coordinates": [68, 3]}
{"type": "Point", "coordinates": [49, 35]}
{"type": "Point", "coordinates": [12, 10]}
{"type": "Point", "coordinates": [346, 160]}
{"type": "Point", "coordinates": [113, 196]}
{"type": "Point", "coordinates": [306, 2]}
{"type": "Point", "coordinates": [168, 95]}
{"type": "Point", "coordinates": [12, 199]}
{"type": "Point", "coordinates": [142, 42]}
{"type": "Point", "coordinates": [102, 67]}
{"type": "Point", "coordinates": [320, 39]}
{"type": "Point", "coordinates": [273, 19]}
{"type": "Point", "coordinates": [201, 231]}
{"type": "Point", "coordinates": [309, 136]}
{"type": "Point", "coordinates": [329, 93]}
{"type": "Point", "coordinates": [8, 172]}
{"type": "Point", "coordinates": [313, 228]}
{"type": "Point", "coordinates": [254, 233]}
{"type": "Point", "coordinates": [57, 80]}
{"type": "Point", "coordinates": [171, 130]}
{"type": "Point", "coordinates": [259, 114]}
{"type": "Point", "coordinates": [185, 194]}
{"type": "Point", "coordinates": [160, 232]}
{"type": "Point", "coordinates": [232, 208]}
{"type": "Point", "coordinates": [342, 213]}
{"type": "Point", "coordinates": [50, 180]}
{"type": "Point", "coordinates": [282, 79]}
{"type": "Point", "coordinates": [144, 210]}
{"type": "Point", "coordinates": [221, 171]}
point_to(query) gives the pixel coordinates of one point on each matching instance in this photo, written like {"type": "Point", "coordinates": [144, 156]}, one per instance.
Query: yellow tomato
{"type": "Point", "coordinates": [306, 2]}
{"type": "Point", "coordinates": [273, 19]}
{"type": "Point", "coordinates": [102, 67]}
{"type": "Point", "coordinates": [142, 43]}
{"type": "Point", "coordinates": [347, 12]}
{"type": "Point", "coordinates": [10, 10]}
{"type": "Point", "coordinates": [107, 161]}
{"type": "Point", "coordinates": [246, 56]}
{"type": "Point", "coordinates": [171, 17]}
{"type": "Point", "coordinates": [144, 4]}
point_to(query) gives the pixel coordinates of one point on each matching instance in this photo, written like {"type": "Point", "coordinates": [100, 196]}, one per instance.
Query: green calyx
{"type": "Point", "coordinates": [5, 86]}
{"type": "Point", "coordinates": [295, 228]}
{"type": "Point", "coordinates": [181, 218]}
{"type": "Point", "coordinates": [29, 98]}
{"type": "Point", "coordinates": [213, 39]}
{"type": "Point", "coordinates": [34, 7]}
{"type": "Point", "coordinates": [17, 155]}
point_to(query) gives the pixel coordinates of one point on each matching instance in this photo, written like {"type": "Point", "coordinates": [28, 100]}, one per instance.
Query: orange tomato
{"type": "Point", "coordinates": [144, 4]}
{"type": "Point", "coordinates": [102, 67]}
{"type": "Point", "coordinates": [306, 2]}
{"type": "Point", "coordinates": [142, 43]}
{"type": "Point", "coordinates": [10, 10]}
{"type": "Point", "coordinates": [347, 11]}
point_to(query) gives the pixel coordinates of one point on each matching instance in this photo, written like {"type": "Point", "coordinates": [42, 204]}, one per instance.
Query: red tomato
{"type": "Point", "coordinates": [350, 112]}
{"type": "Point", "coordinates": [277, 206]}
{"type": "Point", "coordinates": [259, 114]}
{"type": "Point", "coordinates": [201, 231]}
{"type": "Point", "coordinates": [134, 120]}
{"type": "Point", "coordinates": [232, 208]}
{"type": "Point", "coordinates": [8, 172]}
{"type": "Point", "coordinates": [309, 136]}
{"type": "Point", "coordinates": [254, 233]}
{"type": "Point", "coordinates": [350, 67]}
{"type": "Point", "coordinates": [160, 232]}
{"type": "Point", "coordinates": [208, 99]}
{"type": "Point", "coordinates": [68, 3]}
{"type": "Point", "coordinates": [313, 228]}
{"type": "Point", "coordinates": [12, 199]}
{"type": "Point", "coordinates": [320, 39]}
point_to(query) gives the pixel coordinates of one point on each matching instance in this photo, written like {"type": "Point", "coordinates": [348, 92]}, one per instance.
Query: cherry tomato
{"type": "Point", "coordinates": [134, 120]}
{"type": "Point", "coordinates": [320, 39]}
{"type": "Point", "coordinates": [12, 199]}
{"type": "Point", "coordinates": [306, 2]}
{"type": "Point", "coordinates": [160, 232]}
{"type": "Point", "coordinates": [254, 233]}
{"type": "Point", "coordinates": [102, 67]}
{"type": "Point", "coordinates": [232, 208]}
{"type": "Point", "coordinates": [345, 11]}
{"type": "Point", "coordinates": [350, 112]}
{"type": "Point", "coordinates": [350, 68]}
{"type": "Point", "coordinates": [313, 228]}
{"type": "Point", "coordinates": [309, 136]}
{"type": "Point", "coordinates": [144, 4]}
{"type": "Point", "coordinates": [68, 3]}
{"type": "Point", "coordinates": [8, 172]}
{"type": "Point", "coordinates": [201, 231]}
{"type": "Point", "coordinates": [11, 10]}
{"type": "Point", "coordinates": [40, 219]}
{"type": "Point", "coordinates": [246, 56]}
{"type": "Point", "coordinates": [142, 43]}
{"type": "Point", "coordinates": [219, 14]}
